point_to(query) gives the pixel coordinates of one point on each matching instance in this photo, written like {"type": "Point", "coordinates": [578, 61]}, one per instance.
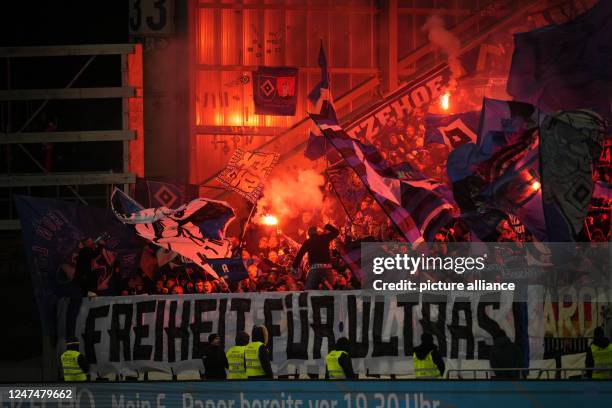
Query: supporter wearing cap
{"type": "Point", "coordinates": [74, 364]}
{"type": "Point", "coordinates": [427, 359]}
{"type": "Point", "coordinates": [338, 365]}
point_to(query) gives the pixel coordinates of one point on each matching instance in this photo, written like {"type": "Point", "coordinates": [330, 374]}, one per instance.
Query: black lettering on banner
{"type": "Point", "coordinates": [438, 328]}
{"type": "Point", "coordinates": [118, 334]}
{"type": "Point", "coordinates": [91, 336]}
{"type": "Point", "coordinates": [199, 326]}
{"type": "Point", "coordinates": [408, 331]}
{"type": "Point", "coordinates": [271, 305]}
{"type": "Point", "coordinates": [159, 330]}
{"type": "Point", "coordinates": [382, 348]}
{"type": "Point", "coordinates": [141, 331]}
{"type": "Point", "coordinates": [241, 307]}
{"type": "Point", "coordinates": [322, 329]}
{"type": "Point", "coordinates": [221, 324]}
{"type": "Point", "coordinates": [181, 332]}
{"type": "Point", "coordinates": [297, 350]}
{"type": "Point", "coordinates": [485, 322]}
{"type": "Point", "coordinates": [519, 314]}
{"type": "Point", "coordinates": [459, 332]}
{"type": "Point", "coordinates": [359, 349]}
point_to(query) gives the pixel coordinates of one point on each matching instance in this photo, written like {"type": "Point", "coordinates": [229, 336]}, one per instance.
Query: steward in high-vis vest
{"type": "Point", "coordinates": [599, 356]}
{"type": "Point", "coordinates": [427, 359]}
{"type": "Point", "coordinates": [257, 356]}
{"type": "Point", "coordinates": [338, 365]}
{"type": "Point", "coordinates": [74, 364]}
{"type": "Point", "coordinates": [235, 357]}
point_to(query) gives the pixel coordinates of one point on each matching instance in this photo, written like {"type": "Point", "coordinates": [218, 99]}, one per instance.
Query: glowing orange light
{"type": "Point", "coordinates": [535, 186]}
{"type": "Point", "coordinates": [269, 220]}
{"type": "Point", "coordinates": [445, 101]}
{"type": "Point", "coordinates": [236, 119]}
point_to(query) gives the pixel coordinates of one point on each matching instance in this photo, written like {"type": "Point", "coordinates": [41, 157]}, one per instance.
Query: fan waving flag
{"type": "Point", "coordinates": [195, 230]}
{"type": "Point", "coordinates": [411, 203]}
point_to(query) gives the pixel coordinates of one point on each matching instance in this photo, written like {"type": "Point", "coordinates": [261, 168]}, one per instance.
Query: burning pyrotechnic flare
{"type": "Point", "coordinates": [269, 220]}
{"type": "Point", "coordinates": [445, 101]}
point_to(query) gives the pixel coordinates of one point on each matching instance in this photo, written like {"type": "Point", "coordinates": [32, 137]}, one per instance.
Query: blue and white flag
{"type": "Point", "coordinates": [412, 202]}
{"type": "Point", "coordinates": [570, 145]}
{"type": "Point", "coordinates": [195, 230]}
{"type": "Point", "coordinates": [152, 193]}
{"type": "Point", "coordinates": [452, 130]}
{"type": "Point", "coordinates": [566, 66]}
{"type": "Point", "coordinates": [499, 174]}
{"type": "Point", "coordinates": [230, 269]}
{"type": "Point", "coordinates": [321, 97]}
{"type": "Point", "coordinates": [507, 118]}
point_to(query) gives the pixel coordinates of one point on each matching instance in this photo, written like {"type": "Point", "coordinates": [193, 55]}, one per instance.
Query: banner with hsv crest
{"type": "Point", "coordinates": [246, 172]}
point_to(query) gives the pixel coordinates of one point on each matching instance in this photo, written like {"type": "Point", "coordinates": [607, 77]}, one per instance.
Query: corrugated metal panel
{"type": "Point", "coordinates": [234, 39]}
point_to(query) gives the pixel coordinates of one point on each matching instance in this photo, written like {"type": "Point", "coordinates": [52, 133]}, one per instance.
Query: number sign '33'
{"type": "Point", "coordinates": [151, 17]}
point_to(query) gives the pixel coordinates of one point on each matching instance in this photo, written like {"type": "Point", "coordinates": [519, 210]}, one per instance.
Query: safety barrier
{"type": "Point", "coordinates": [560, 373]}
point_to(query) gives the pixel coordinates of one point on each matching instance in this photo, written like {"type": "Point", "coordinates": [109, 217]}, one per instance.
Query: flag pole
{"type": "Point", "coordinates": [348, 215]}
{"type": "Point", "coordinates": [246, 224]}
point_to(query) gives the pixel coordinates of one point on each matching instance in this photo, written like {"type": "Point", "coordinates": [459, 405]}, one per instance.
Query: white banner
{"type": "Point", "coordinates": [167, 333]}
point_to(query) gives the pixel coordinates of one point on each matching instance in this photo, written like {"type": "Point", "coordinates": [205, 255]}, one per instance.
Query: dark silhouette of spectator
{"type": "Point", "coordinates": [505, 354]}
{"type": "Point", "coordinates": [214, 360]}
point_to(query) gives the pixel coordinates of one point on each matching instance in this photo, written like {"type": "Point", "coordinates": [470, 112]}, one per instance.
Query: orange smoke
{"type": "Point", "coordinates": [290, 194]}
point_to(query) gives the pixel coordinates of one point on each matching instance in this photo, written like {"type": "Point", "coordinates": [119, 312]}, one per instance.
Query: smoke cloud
{"type": "Point", "coordinates": [290, 194]}
{"type": "Point", "coordinates": [448, 43]}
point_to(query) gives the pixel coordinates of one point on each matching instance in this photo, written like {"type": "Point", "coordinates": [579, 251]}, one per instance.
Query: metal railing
{"type": "Point", "coordinates": [491, 373]}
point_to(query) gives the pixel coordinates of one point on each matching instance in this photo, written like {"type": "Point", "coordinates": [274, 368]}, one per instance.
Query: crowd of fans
{"type": "Point", "coordinates": [268, 251]}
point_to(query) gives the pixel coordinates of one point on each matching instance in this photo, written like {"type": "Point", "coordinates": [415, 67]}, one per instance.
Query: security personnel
{"type": "Point", "coordinates": [235, 357]}
{"type": "Point", "coordinates": [599, 356]}
{"type": "Point", "coordinates": [338, 365]}
{"type": "Point", "coordinates": [427, 359]}
{"type": "Point", "coordinates": [257, 356]}
{"type": "Point", "coordinates": [74, 364]}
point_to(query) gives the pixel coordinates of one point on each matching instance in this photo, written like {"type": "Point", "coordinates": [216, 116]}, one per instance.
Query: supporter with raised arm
{"type": "Point", "coordinates": [319, 257]}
